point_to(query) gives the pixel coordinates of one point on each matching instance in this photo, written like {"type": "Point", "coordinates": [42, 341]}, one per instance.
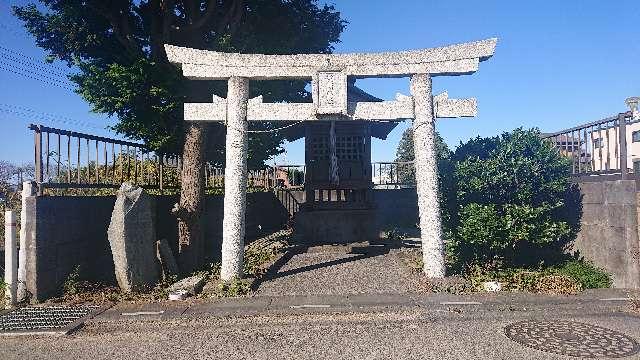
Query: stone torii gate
{"type": "Point", "coordinates": [328, 74]}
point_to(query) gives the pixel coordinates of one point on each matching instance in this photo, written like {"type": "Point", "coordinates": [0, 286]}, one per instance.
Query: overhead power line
{"type": "Point", "coordinates": [32, 115]}
{"type": "Point", "coordinates": [63, 86]}
{"type": "Point", "coordinates": [40, 61]}
{"type": "Point", "coordinates": [31, 72]}
{"type": "Point", "coordinates": [27, 63]}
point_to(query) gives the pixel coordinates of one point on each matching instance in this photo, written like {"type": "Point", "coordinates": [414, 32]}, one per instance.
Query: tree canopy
{"type": "Point", "coordinates": [123, 70]}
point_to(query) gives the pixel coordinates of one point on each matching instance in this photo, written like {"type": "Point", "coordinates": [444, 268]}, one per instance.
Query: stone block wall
{"type": "Point", "coordinates": [609, 229]}
{"type": "Point", "coordinates": [70, 231]}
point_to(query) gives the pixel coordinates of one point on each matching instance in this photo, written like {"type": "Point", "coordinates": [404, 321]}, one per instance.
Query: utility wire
{"type": "Point", "coordinates": [30, 72]}
{"type": "Point", "coordinates": [30, 64]}
{"type": "Point", "coordinates": [22, 108]}
{"type": "Point", "coordinates": [40, 61]}
{"type": "Point", "coordinates": [45, 117]}
{"type": "Point", "coordinates": [38, 118]}
{"type": "Point", "coordinates": [35, 78]}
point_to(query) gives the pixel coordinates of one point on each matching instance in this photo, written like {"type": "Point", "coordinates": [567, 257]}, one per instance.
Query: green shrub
{"type": "Point", "coordinates": [233, 288]}
{"type": "Point", "coordinates": [514, 205]}
{"type": "Point", "coordinates": [72, 284]}
{"type": "Point", "coordinates": [585, 273]}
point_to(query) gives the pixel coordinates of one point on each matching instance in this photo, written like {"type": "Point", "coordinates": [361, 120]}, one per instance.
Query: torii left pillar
{"type": "Point", "coordinates": [235, 183]}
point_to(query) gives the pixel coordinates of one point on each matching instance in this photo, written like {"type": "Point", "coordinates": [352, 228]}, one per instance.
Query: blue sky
{"type": "Point", "coordinates": [557, 64]}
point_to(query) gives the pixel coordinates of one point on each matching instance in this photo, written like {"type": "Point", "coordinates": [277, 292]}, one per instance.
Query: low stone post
{"type": "Point", "coordinates": [427, 176]}
{"type": "Point", "coordinates": [235, 183]}
{"type": "Point", "coordinates": [29, 189]}
{"type": "Point", "coordinates": [10, 259]}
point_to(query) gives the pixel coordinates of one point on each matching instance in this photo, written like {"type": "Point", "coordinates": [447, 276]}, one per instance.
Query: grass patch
{"type": "Point", "coordinates": [234, 288]}
{"type": "Point", "coordinates": [570, 277]}
{"type": "Point", "coordinates": [585, 273]}
{"type": "Point", "coordinates": [258, 255]}
{"type": "Point", "coordinates": [543, 281]}
{"type": "Point", "coordinates": [260, 252]}
{"type": "Point", "coordinates": [75, 290]}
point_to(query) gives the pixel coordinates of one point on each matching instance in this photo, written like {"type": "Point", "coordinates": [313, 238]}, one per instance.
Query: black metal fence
{"type": "Point", "coordinates": [71, 160]}
{"type": "Point", "coordinates": [599, 147]}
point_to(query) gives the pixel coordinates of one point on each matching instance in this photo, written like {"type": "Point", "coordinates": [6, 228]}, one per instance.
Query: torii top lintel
{"type": "Point", "coordinates": [458, 59]}
{"type": "Point", "coordinates": [328, 74]}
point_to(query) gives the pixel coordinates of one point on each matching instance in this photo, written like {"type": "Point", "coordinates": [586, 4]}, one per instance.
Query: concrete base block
{"type": "Point", "coordinates": [315, 227]}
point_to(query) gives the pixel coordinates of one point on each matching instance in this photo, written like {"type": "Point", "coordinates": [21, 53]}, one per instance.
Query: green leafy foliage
{"type": "Point", "coordinates": [72, 284]}
{"type": "Point", "coordinates": [407, 173]}
{"type": "Point", "coordinates": [505, 200]}
{"type": "Point", "coordinates": [123, 71]}
{"type": "Point", "coordinates": [587, 274]}
{"type": "Point", "coordinates": [234, 288]}
{"type": "Point", "coordinates": [568, 277]}
{"type": "Point", "coordinates": [514, 203]}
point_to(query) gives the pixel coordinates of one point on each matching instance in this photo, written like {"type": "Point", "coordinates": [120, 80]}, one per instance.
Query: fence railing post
{"type": "Point", "coordinates": [37, 139]}
{"type": "Point", "coordinates": [10, 259]}
{"type": "Point", "coordinates": [622, 138]}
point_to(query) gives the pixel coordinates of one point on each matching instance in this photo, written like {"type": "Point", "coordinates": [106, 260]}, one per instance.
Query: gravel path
{"type": "Point", "coordinates": [340, 270]}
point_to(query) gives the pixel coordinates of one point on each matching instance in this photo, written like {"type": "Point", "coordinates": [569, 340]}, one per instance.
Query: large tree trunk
{"type": "Point", "coordinates": [190, 208]}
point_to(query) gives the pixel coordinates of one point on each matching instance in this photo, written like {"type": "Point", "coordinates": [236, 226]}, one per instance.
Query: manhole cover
{"type": "Point", "coordinates": [572, 339]}
{"type": "Point", "coordinates": [44, 319]}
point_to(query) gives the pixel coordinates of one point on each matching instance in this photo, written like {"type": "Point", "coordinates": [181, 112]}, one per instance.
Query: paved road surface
{"type": "Point", "coordinates": [358, 327]}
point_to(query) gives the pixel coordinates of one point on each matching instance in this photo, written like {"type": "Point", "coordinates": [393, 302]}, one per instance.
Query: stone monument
{"type": "Point", "coordinates": [132, 238]}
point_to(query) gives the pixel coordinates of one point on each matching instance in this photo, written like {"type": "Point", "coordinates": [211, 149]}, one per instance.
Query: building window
{"type": "Point", "coordinates": [636, 166]}
{"type": "Point", "coordinates": [635, 136]}
{"type": "Point", "coordinates": [597, 143]}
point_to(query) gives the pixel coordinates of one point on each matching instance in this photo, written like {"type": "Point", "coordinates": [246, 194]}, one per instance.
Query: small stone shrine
{"type": "Point", "coordinates": [339, 205]}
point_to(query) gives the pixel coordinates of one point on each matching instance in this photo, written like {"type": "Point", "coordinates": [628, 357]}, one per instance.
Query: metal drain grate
{"type": "Point", "coordinates": [44, 319]}
{"type": "Point", "coordinates": [572, 339]}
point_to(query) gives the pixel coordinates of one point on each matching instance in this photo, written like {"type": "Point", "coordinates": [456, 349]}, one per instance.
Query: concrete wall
{"type": "Point", "coordinates": [608, 234]}
{"type": "Point", "coordinates": [609, 229]}
{"type": "Point", "coordinates": [396, 208]}
{"type": "Point", "coordinates": [70, 231]}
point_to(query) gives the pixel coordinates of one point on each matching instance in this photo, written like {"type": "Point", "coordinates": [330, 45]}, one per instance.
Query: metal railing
{"type": "Point", "coordinates": [288, 200]}
{"type": "Point", "coordinates": [393, 174]}
{"type": "Point", "coordinates": [71, 160]}
{"type": "Point", "coordinates": [68, 159]}
{"type": "Point", "coordinates": [599, 147]}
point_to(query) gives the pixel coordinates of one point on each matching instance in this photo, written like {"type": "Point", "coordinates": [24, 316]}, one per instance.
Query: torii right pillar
{"type": "Point", "coordinates": [427, 177]}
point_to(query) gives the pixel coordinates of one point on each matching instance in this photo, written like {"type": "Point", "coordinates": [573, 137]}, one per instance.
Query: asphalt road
{"type": "Point", "coordinates": [358, 328]}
